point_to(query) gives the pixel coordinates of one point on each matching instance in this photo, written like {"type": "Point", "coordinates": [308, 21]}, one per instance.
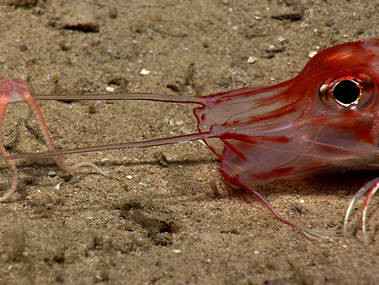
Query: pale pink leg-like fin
{"type": "Point", "coordinates": [13, 187]}
{"type": "Point", "coordinates": [245, 183]}
{"type": "Point", "coordinates": [4, 153]}
{"type": "Point", "coordinates": [365, 207]}
{"type": "Point", "coordinates": [34, 106]}
{"type": "Point", "coordinates": [371, 187]}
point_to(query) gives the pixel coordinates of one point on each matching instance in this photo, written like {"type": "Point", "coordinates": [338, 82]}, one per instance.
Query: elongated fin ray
{"type": "Point", "coordinates": [125, 145]}
{"type": "Point", "coordinates": [124, 96]}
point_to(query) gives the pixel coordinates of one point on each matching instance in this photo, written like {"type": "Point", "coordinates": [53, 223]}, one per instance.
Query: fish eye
{"type": "Point", "coordinates": [346, 92]}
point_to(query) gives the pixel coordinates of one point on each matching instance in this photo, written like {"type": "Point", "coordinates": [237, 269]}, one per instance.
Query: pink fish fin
{"type": "Point", "coordinates": [4, 153]}
{"type": "Point", "coordinates": [371, 187]}
{"type": "Point", "coordinates": [245, 182]}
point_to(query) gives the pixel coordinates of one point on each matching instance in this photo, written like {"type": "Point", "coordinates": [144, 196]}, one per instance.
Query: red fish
{"type": "Point", "coordinates": [323, 119]}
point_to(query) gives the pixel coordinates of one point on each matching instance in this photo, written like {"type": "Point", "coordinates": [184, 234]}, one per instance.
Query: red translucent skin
{"type": "Point", "coordinates": [291, 130]}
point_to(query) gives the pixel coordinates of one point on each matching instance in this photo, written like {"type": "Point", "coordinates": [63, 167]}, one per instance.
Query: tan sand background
{"type": "Point", "coordinates": [165, 215]}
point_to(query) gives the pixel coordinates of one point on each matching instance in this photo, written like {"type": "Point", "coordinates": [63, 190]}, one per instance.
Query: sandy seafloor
{"type": "Point", "coordinates": [164, 215]}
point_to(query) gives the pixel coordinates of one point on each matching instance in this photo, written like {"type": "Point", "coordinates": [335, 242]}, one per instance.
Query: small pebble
{"type": "Point", "coordinates": [271, 48]}
{"type": "Point", "coordinates": [274, 49]}
{"type": "Point", "coordinates": [282, 39]}
{"type": "Point", "coordinates": [58, 185]}
{"type": "Point", "coordinates": [109, 89]}
{"type": "Point", "coordinates": [312, 53]}
{"type": "Point", "coordinates": [129, 177]}
{"type": "Point", "coordinates": [23, 48]}
{"type": "Point", "coordinates": [252, 59]}
{"type": "Point", "coordinates": [113, 13]}
{"type": "Point", "coordinates": [80, 16]}
{"type": "Point", "coordinates": [144, 71]}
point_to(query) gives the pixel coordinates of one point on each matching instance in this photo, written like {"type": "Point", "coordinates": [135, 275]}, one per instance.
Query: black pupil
{"type": "Point", "coordinates": [346, 91]}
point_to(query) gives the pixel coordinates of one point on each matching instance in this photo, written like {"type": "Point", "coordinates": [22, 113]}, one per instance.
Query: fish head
{"type": "Point", "coordinates": [326, 117]}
